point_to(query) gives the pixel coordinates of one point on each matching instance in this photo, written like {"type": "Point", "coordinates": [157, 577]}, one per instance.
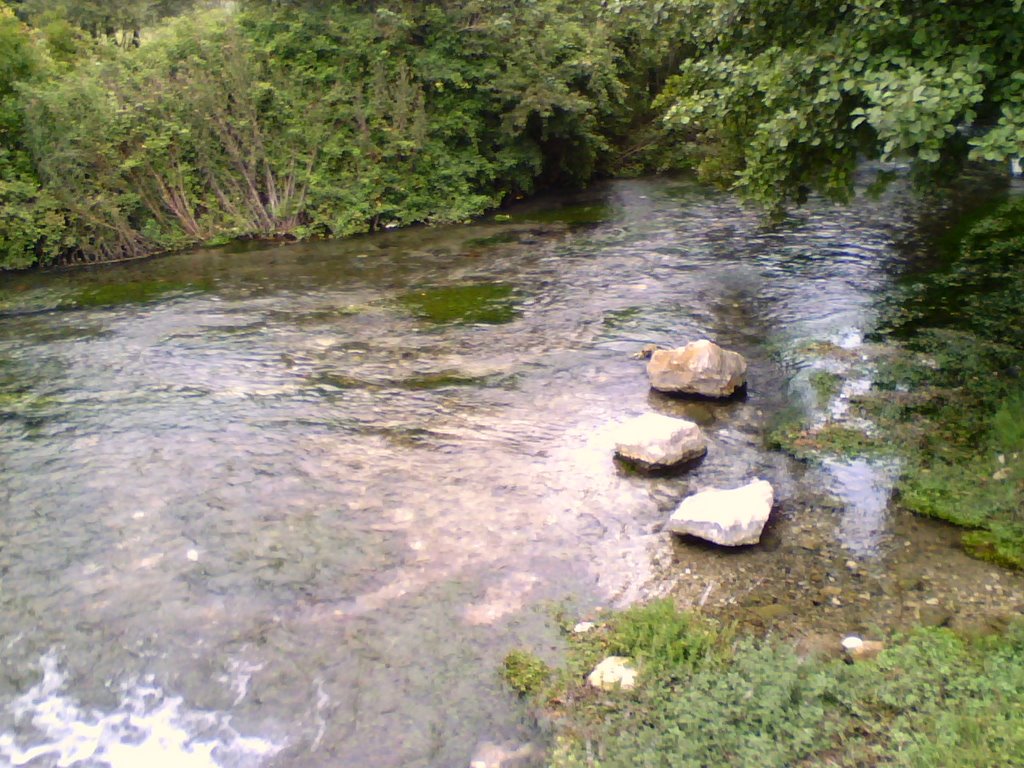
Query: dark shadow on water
{"type": "Point", "coordinates": [704, 411]}
{"type": "Point", "coordinates": [628, 468]}
{"type": "Point", "coordinates": [738, 396]}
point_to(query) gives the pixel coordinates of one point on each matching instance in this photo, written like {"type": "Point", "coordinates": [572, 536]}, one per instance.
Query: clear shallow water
{"type": "Point", "coordinates": [290, 506]}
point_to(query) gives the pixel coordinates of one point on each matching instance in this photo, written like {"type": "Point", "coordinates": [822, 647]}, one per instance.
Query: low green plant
{"type": "Point", "coordinates": [660, 637]}
{"type": "Point", "coordinates": [524, 672]}
{"type": "Point", "coordinates": [931, 698]}
{"type": "Point", "coordinates": [825, 384]}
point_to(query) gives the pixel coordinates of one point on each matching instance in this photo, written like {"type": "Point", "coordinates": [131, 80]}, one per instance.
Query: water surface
{"type": "Point", "coordinates": [289, 506]}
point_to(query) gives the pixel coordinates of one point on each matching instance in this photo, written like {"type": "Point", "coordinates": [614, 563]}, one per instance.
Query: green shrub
{"type": "Point", "coordinates": [524, 672]}
{"type": "Point", "coordinates": [660, 637]}
{"type": "Point", "coordinates": [930, 699]}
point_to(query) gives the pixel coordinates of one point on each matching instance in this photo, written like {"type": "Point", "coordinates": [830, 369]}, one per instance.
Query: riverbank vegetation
{"type": "Point", "coordinates": [266, 119]}
{"type": "Point", "coordinates": [947, 399]}
{"type": "Point", "coordinates": [703, 698]}
{"type": "Point", "coordinates": [136, 126]}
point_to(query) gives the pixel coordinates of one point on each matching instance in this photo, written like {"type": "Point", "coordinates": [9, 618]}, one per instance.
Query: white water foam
{"type": "Point", "coordinates": [148, 728]}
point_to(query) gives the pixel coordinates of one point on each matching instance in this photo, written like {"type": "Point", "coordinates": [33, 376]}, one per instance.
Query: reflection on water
{"type": "Point", "coordinates": [864, 487]}
{"type": "Point", "coordinates": [311, 496]}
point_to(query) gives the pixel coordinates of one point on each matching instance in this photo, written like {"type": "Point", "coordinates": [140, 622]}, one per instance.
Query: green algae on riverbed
{"type": "Point", "coordinates": [471, 304]}
{"type": "Point", "coordinates": [584, 214]}
{"type": "Point", "coordinates": [97, 295]}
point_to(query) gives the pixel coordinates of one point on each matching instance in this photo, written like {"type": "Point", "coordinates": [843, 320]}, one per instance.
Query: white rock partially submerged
{"type": "Point", "coordinates": [731, 518]}
{"type": "Point", "coordinates": [700, 368]}
{"type": "Point", "coordinates": [612, 673]}
{"type": "Point", "coordinates": [655, 441]}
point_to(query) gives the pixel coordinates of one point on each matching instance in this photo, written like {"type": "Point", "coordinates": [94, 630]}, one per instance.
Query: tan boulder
{"type": "Point", "coordinates": [699, 368]}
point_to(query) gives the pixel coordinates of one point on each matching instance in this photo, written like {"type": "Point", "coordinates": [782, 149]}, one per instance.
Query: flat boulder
{"type": "Point", "coordinates": [700, 368]}
{"type": "Point", "coordinates": [655, 441]}
{"type": "Point", "coordinates": [731, 518]}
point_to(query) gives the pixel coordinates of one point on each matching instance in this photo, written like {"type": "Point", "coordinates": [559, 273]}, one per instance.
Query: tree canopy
{"type": "Point", "coordinates": [788, 95]}
{"type": "Point", "coordinates": [134, 126]}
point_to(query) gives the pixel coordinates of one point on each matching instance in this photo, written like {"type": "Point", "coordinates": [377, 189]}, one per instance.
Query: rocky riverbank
{"type": "Point", "coordinates": [906, 526]}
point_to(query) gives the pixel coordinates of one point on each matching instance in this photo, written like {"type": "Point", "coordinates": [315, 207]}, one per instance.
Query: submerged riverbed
{"type": "Point", "coordinates": [290, 506]}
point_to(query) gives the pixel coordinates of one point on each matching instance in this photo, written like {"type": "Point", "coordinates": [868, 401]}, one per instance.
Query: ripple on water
{"type": "Point", "coordinates": [374, 465]}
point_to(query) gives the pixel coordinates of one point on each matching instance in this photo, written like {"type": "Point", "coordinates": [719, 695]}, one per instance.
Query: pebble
{"type": "Point", "coordinates": [583, 627]}
{"type": "Point", "coordinates": [858, 649]}
{"type": "Point", "coordinates": [934, 616]}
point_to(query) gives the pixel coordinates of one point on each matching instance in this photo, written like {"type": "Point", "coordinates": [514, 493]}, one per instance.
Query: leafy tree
{"type": "Point", "coordinates": [303, 119]}
{"type": "Point", "coordinates": [788, 95]}
{"type": "Point", "coordinates": [119, 20]}
{"type": "Point", "coordinates": [31, 226]}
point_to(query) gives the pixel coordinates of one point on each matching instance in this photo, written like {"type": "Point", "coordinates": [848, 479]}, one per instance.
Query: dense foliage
{"type": "Point", "coordinates": [789, 96]}
{"type": "Point", "coordinates": [297, 120]}
{"type": "Point", "coordinates": [133, 126]}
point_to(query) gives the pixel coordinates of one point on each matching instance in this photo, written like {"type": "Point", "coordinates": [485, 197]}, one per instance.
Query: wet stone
{"type": "Point", "coordinates": [700, 368]}
{"type": "Point", "coordinates": [934, 615]}
{"type": "Point", "coordinates": [858, 649]}
{"type": "Point", "coordinates": [656, 441]}
{"type": "Point", "coordinates": [731, 518]}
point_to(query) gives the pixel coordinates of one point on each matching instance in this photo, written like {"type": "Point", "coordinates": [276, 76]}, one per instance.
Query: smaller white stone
{"type": "Point", "coordinates": [659, 441]}
{"type": "Point", "coordinates": [583, 627]}
{"type": "Point", "coordinates": [852, 643]}
{"type": "Point", "coordinates": [192, 555]}
{"type": "Point", "coordinates": [612, 673]}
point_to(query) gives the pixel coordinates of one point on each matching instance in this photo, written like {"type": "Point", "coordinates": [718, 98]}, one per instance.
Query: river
{"type": "Point", "coordinates": [274, 505]}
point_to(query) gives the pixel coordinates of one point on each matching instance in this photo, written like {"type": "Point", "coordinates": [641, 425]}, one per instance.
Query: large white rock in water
{"type": "Point", "coordinates": [731, 518]}
{"type": "Point", "coordinates": [612, 673]}
{"type": "Point", "coordinates": [653, 440]}
{"type": "Point", "coordinates": [699, 368]}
